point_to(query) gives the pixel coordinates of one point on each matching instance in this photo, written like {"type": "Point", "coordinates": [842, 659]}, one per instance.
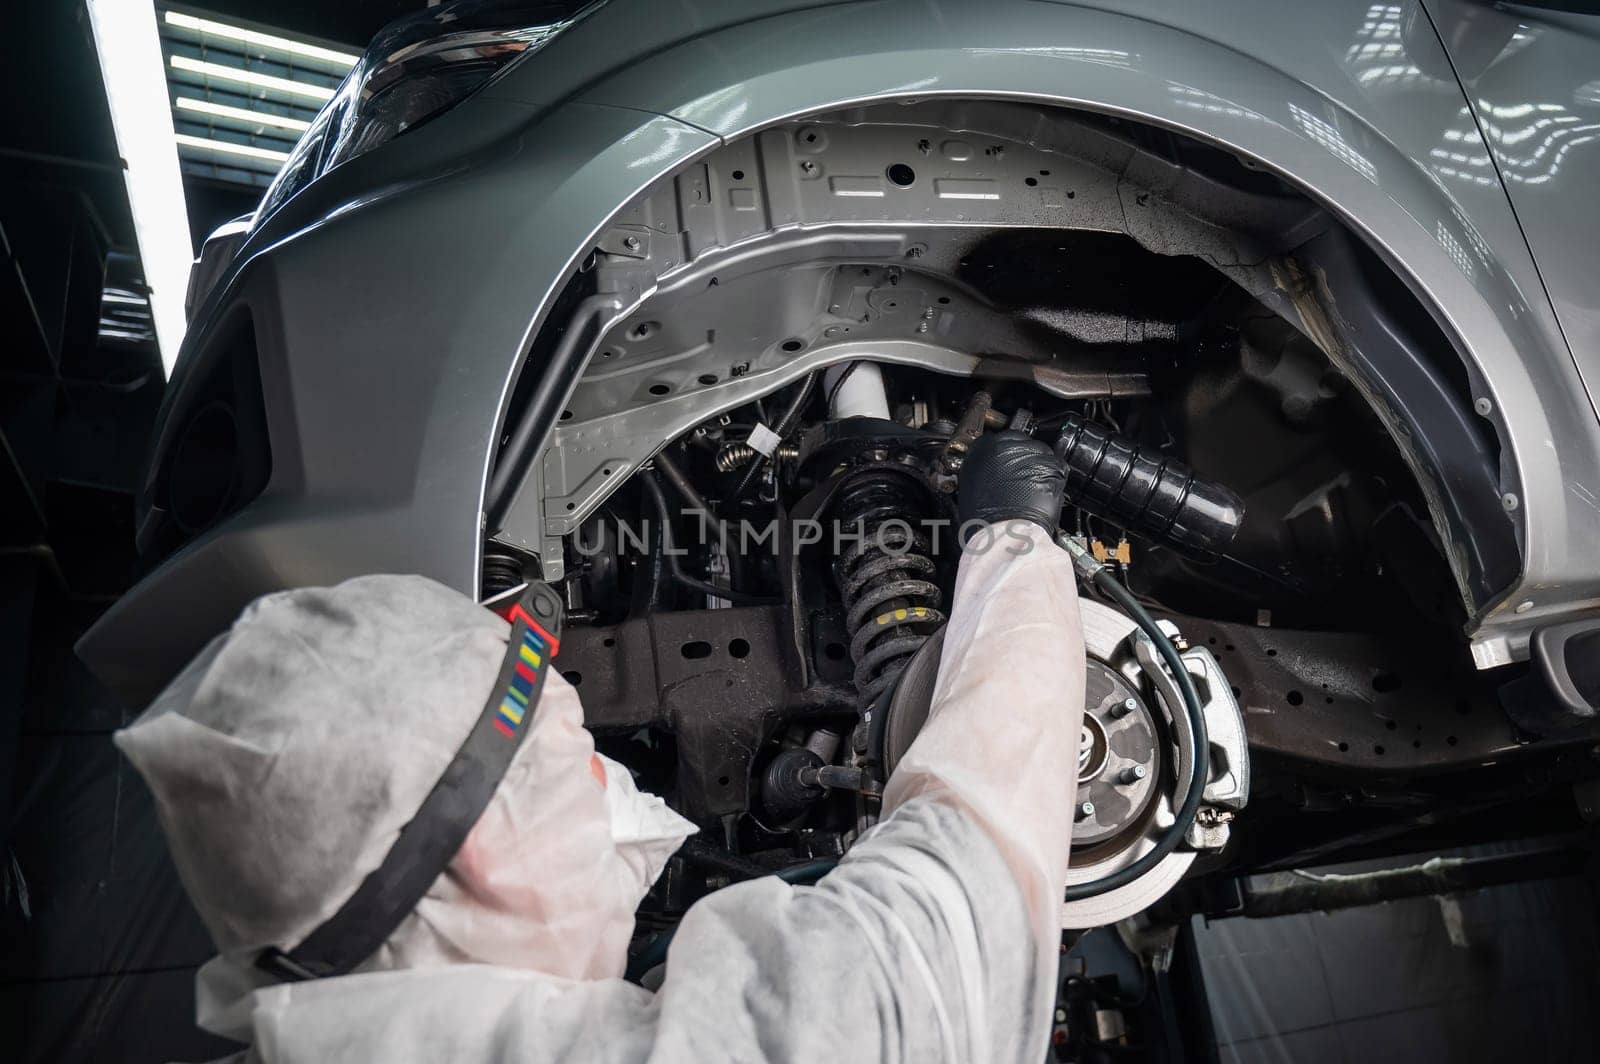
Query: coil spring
{"type": "Point", "coordinates": [735, 456]}
{"type": "Point", "coordinates": [501, 572]}
{"type": "Point", "coordinates": [891, 605]}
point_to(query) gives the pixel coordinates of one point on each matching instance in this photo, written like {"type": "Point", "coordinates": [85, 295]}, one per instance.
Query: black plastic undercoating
{"type": "Point", "coordinates": [1421, 389]}
{"type": "Point", "coordinates": [1074, 289]}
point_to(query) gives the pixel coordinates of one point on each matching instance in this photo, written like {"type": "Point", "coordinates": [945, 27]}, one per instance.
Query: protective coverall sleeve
{"type": "Point", "coordinates": [937, 936]}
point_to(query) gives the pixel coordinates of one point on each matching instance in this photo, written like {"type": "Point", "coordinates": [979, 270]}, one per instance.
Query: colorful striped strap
{"type": "Point", "coordinates": [431, 840]}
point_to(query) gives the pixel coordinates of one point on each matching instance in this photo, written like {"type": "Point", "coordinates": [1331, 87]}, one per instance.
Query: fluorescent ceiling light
{"type": "Point", "coordinates": [129, 45]}
{"type": "Point", "coordinates": [108, 296]}
{"type": "Point", "coordinates": [240, 114]}
{"type": "Point", "coordinates": [260, 40]}
{"type": "Point", "coordinates": [248, 151]}
{"type": "Point", "coordinates": [250, 77]}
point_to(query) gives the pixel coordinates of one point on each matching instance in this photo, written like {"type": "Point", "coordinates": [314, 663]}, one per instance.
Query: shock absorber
{"type": "Point", "coordinates": [885, 575]}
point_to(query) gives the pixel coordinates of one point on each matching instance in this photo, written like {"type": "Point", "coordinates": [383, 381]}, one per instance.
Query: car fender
{"type": "Point", "coordinates": [1348, 101]}
{"type": "Point", "coordinates": [400, 310]}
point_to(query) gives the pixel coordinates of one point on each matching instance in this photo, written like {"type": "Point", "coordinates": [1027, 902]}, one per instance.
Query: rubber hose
{"type": "Point", "coordinates": [1143, 490]}
{"type": "Point", "coordinates": [674, 570]}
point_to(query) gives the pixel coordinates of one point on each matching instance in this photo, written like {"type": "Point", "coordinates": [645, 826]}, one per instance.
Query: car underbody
{"type": "Point", "coordinates": [944, 267]}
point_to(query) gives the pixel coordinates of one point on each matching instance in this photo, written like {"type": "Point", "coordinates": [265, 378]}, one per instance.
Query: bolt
{"type": "Point", "coordinates": [1482, 406]}
{"type": "Point", "coordinates": [922, 326]}
{"type": "Point", "coordinates": [631, 243]}
{"type": "Point", "coordinates": [1509, 501]}
{"type": "Point", "coordinates": [1133, 774]}
{"type": "Point", "coordinates": [808, 167]}
{"type": "Point", "coordinates": [1085, 810]}
{"type": "Point", "coordinates": [914, 251]}
{"type": "Point", "coordinates": [1123, 708]}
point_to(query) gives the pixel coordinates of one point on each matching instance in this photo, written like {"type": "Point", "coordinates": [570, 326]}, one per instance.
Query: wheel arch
{"type": "Point", "coordinates": [1370, 162]}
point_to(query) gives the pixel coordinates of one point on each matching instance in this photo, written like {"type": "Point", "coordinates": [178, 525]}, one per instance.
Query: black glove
{"type": "Point", "coordinates": [1010, 476]}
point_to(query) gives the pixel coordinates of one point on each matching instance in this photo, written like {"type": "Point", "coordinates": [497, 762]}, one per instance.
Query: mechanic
{"type": "Point", "coordinates": [287, 759]}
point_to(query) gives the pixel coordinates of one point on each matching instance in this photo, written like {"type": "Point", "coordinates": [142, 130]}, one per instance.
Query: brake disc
{"type": "Point", "coordinates": [1128, 769]}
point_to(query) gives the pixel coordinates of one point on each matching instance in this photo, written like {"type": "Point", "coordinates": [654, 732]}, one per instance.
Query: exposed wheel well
{"type": "Point", "coordinates": [1088, 253]}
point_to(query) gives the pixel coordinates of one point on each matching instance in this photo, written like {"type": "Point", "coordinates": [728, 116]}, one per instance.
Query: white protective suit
{"type": "Point", "coordinates": [935, 938]}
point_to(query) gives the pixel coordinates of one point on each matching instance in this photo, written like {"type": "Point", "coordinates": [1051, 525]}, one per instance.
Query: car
{"type": "Point", "coordinates": [692, 312]}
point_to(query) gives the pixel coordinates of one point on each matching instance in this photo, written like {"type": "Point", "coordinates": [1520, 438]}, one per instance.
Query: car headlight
{"type": "Point", "coordinates": [414, 70]}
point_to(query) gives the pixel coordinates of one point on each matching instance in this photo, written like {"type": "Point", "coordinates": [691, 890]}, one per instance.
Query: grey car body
{"type": "Point", "coordinates": [393, 302]}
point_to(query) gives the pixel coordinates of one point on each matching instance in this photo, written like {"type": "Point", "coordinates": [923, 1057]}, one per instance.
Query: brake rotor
{"type": "Point", "coordinates": [1121, 733]}
{"type": "Point", "coordinates": [1118, 764]}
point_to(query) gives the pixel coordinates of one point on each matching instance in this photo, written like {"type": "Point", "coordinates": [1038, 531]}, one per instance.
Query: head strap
{"type": "Point", "coordinates": [430, 841]}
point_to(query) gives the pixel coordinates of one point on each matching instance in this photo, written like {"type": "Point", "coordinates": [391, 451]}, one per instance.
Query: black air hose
{"type": "Point", "coordinates": [1143, 490]}
{"type": "Point", "coordinates": [675, 569]}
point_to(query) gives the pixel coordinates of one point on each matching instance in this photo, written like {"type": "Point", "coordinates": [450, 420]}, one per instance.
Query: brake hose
{"type": "Point", "coordinates": [675, 569]}
{"type": "Point", "coordinates": [1093, 570]}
